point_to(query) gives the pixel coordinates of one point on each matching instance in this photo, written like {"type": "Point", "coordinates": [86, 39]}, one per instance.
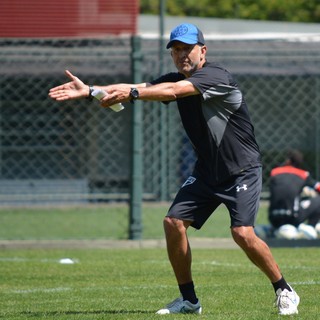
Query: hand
{"type": "Point", "coordinates": [117, 93]}
{"type": "Point", "coordinates": [75, 89]}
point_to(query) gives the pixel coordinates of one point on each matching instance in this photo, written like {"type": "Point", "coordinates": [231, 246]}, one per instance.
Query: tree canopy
{"type": "Point", "coordinates": [274, 10]}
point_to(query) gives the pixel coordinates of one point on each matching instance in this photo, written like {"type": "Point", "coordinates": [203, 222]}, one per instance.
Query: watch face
{"type": "Point", "coordinates": [134, 93]}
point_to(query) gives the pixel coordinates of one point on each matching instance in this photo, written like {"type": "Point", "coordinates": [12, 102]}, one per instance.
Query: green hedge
{"type": "Point", "coordinates": [276, 10]}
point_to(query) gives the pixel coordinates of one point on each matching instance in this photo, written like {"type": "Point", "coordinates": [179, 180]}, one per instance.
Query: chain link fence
{"type": "Point", "coordinates": [78, 152]}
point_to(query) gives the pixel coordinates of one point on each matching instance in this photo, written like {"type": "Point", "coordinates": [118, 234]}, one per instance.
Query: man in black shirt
{"type": "Point", "coordinates": [228, 167]}
{"type": "Point", "coordinates": [286, 186]}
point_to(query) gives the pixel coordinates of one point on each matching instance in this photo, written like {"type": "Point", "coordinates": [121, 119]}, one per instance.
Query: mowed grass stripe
{"type": "Point", "coordinates": [133, 284]}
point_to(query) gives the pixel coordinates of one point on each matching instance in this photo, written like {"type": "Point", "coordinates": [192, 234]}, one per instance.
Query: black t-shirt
{"type": "Point", "coordinates": [217, 123]}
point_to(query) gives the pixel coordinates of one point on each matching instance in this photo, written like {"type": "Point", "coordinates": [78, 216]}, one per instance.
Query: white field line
{"type": "Point", "coordinates": [45, 260]}
{"type": "Point", "coordinates": [115, 288]}
{"type": "Point", "coordinates": [305, 283]}
{"type": "Point", "coordinates": [248, 265]}
{"type": "Point", "coordinates": [42, 290]}
{"type": "Point", "coordinates": [213, 263]}
{"type": "Point", "coordinates": [17, 259]}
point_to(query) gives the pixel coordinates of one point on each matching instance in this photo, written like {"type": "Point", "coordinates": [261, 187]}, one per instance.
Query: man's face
{"type": "Point", "coordinates": [188, 57]}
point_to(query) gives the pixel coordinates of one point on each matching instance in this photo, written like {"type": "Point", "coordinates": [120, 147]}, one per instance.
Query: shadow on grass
{"type": "Point", "coordinates": [39, 314]}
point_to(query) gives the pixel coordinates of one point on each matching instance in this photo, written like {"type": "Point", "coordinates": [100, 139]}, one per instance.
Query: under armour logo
{"type": "Point", "coordinates": [190, 180]}
{"type": "Point", "coordinates": [244, 187]}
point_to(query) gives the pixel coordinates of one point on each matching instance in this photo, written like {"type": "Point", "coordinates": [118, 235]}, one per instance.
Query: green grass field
{"type": "Point", "coordinates": [100, 222]}
{"type": "Point", "coordinates": [134, 283]}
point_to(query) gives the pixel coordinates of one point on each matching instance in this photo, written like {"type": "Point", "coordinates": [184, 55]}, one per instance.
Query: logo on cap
{"type": "Point", "coordinates": [179, 31]}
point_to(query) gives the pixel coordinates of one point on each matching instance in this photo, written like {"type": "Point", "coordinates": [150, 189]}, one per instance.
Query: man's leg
{"type": "Point", "coordinates": [260, 254]}
{"type": "Point", "coordinates": [178, 248]}
{"type": "Point", "coordinates": [257, 251]}
{"type": "Point", "coordinates": [180, 258]}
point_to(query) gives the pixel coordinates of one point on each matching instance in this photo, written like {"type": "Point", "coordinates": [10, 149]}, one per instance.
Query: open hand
{"type": "Point", "coordinates": [74, 89]}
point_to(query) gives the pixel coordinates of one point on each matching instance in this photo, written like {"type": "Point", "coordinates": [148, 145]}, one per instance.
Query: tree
{"type": "Point", "coordinates": [276, 10]}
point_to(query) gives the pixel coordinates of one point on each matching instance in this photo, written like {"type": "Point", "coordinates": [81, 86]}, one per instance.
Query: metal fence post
{"type": "Point", "coordinates": [317, 133]}
{"type": "Point", "coordinates": [163, 113]}
{"type": "Point", "coordinates": [135, 222]}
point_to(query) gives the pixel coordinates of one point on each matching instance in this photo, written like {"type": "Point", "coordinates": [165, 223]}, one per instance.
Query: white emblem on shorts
{"type": "Point", "coordinates": [190, 180]}
{"type": "Point", "coordinates": [305, 204]}
{"type": "Point", "coordinates": [244, 187]}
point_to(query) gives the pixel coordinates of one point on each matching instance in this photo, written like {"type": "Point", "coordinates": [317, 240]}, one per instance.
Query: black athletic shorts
{"type": "Point", "coordinates": [197, 200]}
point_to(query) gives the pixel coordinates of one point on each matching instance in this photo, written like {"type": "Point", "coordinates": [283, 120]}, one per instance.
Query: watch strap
{"type": "Point", "coordinates": [90, 96]}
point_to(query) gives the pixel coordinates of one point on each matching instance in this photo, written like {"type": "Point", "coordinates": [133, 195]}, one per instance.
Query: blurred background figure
{"type": "Point", "coordinates": [294, 210]}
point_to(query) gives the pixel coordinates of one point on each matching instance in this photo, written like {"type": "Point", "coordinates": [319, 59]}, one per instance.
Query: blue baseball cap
{"type": "Point", "coordinates": [186, 33]}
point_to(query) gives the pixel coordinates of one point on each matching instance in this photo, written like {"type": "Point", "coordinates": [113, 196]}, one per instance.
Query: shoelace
{"type": "Point", "coordinates": [174, 302]}
{"type": "Point", "coordinates": [282, 300]}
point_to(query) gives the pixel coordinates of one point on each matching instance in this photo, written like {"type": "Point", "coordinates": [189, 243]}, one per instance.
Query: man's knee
{"type": "Point", "coordinates": [174, 225]}
{"type": "Point", "coordinates": [244, 237]}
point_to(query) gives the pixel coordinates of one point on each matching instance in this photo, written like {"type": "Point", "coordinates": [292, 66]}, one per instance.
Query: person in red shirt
{"type": "Point", "coordinates": [287, 206]}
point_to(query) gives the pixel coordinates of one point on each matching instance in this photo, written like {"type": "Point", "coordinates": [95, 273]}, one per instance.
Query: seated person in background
{"type": "Point", "coordinates": [286, 185]}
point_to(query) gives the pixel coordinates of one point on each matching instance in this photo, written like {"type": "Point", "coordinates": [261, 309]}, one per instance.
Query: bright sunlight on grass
{"type": "Point", "coordinates": [133, 284]}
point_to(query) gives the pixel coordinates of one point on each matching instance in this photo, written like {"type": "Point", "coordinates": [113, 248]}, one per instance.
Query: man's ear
{"type": "Point", "coordinates": [203, 52]}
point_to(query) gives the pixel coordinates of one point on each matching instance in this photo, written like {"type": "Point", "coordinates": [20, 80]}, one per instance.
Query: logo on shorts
{"type": "Point", "coordinates": [305, 204]}
{"type": "Point", "coordinates": [244, 187]}
{"type": "Point", "coordinates": [190, 180]}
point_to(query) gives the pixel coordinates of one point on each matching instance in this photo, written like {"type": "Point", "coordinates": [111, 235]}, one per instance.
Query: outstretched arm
{"type": "Point", "coordinates": [117, 93]}
{"type": "Point", "coordinates": [77, 89]}
{"type": "Point", "coordinates": [166, 91]}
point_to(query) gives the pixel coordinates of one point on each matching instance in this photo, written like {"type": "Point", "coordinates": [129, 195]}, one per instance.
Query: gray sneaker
{"type": "Point", "coordinates": [287, 302]}
{"type": "Point", "coordinates": [181, 306]}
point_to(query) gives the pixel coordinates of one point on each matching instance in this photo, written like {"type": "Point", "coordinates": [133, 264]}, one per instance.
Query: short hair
{"type": "Point", "coordinates": [296, 158]}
